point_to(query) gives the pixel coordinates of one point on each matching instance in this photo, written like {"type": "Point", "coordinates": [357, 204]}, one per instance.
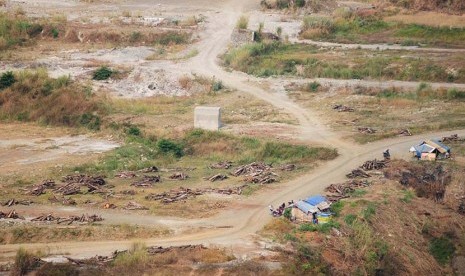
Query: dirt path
{"type": "Point", "coordinates": [237, 226]}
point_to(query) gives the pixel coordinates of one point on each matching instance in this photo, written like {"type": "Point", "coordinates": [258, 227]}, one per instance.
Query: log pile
{"type": "Point", "coordinates": [374, 165]}
{"type": "Point", "coordinates": [84, 179]}
{"type": "Point", "coordinates": [343, 190]}
{"type": "Point", "coordinates": [10, 215]}
{"type": "Point", "coordinates": [147, 181]}
{"type": "Point", "coordinates": [132, 205]}
{"type": "Point", "coordinates": [217, 177]}
{"type": "Point", "coordinates": [39, 189]}
{"type": "Point", "coordinates": [343, 108]}
{"type": "Point", "coordinates": [179, 176]}
{"type": "Point", "coordinates": [221, 165]}
{"type": "Point", "coordinates": [153, 250]}
{"type": "Point", "coordinates": [261, 178]}
{"type": "Point", "coordinates": [69, 189]}
{"type": "Point", "coordinates": [366, 130]}
{"type": "Point", "coordinates": [126, 174]}
{"type": "Point", "coordinates": [68, 220]}
{"type": "Point", "coordinates": [181, 193]}
{"type": "Point", "coordinates": [358, 173]}
{"type": "Point", "coordinates": [452, 138]}
{"type": "Point", "coordinates": [174, 195]}
{"type": "Point", "coordinates": [63, 200]}
{"type": "Point", "coordinates": [252, 168]}
{"type": "Point", "coordinates": [13, 201]}
{"type": "Point", "coordinates": [405, 132]}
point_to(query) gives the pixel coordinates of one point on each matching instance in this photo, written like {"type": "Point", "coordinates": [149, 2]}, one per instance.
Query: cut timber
{"type": "Point", "coordinates": [217, 177]}
{"type": "Point", "coordinates": [374, 165]}
{"type": "Point", "coordinates": [358, 173]}
{"type": "Point", "coordinates": [221, 165]}
{"type": "Point", "coordinates": [179, 176]}
{"type": "Point", "coordinates": [147, 181]}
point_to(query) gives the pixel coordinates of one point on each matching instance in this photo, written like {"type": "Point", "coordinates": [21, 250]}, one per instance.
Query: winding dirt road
{"type": "Point", "coordinates": [236, 227]}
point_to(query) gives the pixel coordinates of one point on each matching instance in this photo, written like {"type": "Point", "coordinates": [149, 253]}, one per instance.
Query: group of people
{"type": "Point", "coordinates": [280, 211]}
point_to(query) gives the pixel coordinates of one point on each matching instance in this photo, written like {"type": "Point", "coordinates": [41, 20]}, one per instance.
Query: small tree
{"type": "Point", "coordinates": [102, 73]}
{"type": "Point", "coordinates": [7, 79]}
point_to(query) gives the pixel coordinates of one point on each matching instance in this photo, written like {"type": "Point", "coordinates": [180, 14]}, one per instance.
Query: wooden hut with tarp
{"type": "Point", "coordinates": [314, 208]}
{"type": "Point", "coordinates": [430, 150]}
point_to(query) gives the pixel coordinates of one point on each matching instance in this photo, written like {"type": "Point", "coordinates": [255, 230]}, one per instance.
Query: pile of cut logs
{"type": "Point", "coordinates": [366, 130]}
{"type": "Point", "coordinates": [39, 189]}
{"type": "Point", "coordinates": [256, 173]}
{"type": "Point", "coordinates": [13, 201]}
{"type": "Point", "coordinates": [343, 190]}
{"type": "Point", "coordinates": [181, 193]}
{"type": "Point", "coordinates": [374, 164]}
{"type": "Point", "coordinates": [358, 173]}
{"type": "Point", "coordinates": [69, 220]}
{"type": "Point", "coordinates": [405, 132]}
{"type": "Point", "coordinates": [179, 176]}
{"type": "Point", "coordinates": [252, 168]}
{"type": "Point", "coordinates": [452, 138]}
{"type": "Point", "coordinates": [343, 108]}
{"type": "Point", "coordinates": [132, 205]}
{"type": "Point", "coordinates": [10, 215]}
{"type": "Point", "coordinates": [147, 181]}
{"type": "Point", "coordinates": [216, 177]}
{"type": "Point", "coordinates": [221, 165]}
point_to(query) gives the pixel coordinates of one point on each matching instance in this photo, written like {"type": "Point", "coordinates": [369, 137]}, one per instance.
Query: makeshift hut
{"type": "Point", "coordinates": [313, 207]}
{"type": "Point", "coordinates": [430, 150]}
{"type": "Point", "coordinates": [303, 211]}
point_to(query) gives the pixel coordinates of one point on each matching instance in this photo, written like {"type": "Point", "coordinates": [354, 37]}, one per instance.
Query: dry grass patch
{"type": "Point", "coordinates": [429, 19]}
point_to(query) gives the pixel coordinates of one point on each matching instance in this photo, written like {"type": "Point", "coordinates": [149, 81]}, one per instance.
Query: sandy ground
{"type": "Point", "coordinates": [247, 215]}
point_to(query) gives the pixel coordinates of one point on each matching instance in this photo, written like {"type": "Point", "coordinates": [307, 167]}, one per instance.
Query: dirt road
{"type": "Point", "coordinates": [237, 226]}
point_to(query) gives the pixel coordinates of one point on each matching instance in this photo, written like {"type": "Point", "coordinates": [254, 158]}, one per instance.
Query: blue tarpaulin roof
{"type": "Point", "coordinates": [315, 200]}
{"type": "Point", "coordinates": [305, 207]}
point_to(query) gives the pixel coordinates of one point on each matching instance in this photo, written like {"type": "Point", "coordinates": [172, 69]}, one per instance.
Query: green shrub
{"type": "Point", "coordinates": [134, 131]}
{"type": "Point", "coordinates": [442, 249]}
{"type": "Point", "coordinates": [25, 262]}
{"type": "Point", "coordinates": [453, 94]}
{"type": "Point", "coordinates": [337, 207]}
{"type": "Point", "coordinates": [90, 121]}
{"type": "Point", "coordinates": [172, 38]}
{"type": "Point", "coordinates": [287, 213]}
{"type": "Point", "coordinates": [102, 73]}
{"type": "Point", "coordinates": [300, 3]}
{"type": "Point", "coordinates": [369, 211]}
{"type": "Point", "coordinates": [217, 86]}
{"type": "Point", "coordinates": [313, 86]}
{"type": "Point", "coordinates": [55, 33]}
{"type": "Point", "coordinates": [7, 79]}
{"type": "Point", "coordinates": [242, 22]}
{"type": "Point", "coordinates": [349, 219]}
{"type": "Point", "coordinates": [323, 228]}
{"type": "Point", "coordinates": [167, 146]}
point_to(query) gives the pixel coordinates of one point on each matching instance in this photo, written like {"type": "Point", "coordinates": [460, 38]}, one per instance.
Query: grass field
{"type": "Point", "coordinates": [272, 59]}
{"type": "Point", "coordinates": [387, 111]}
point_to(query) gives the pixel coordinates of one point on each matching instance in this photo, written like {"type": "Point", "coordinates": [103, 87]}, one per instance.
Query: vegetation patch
{"type": "Point", "coordinates": [274, 59]}
{"type": "Point", "coordinates": [34, 96]}
{"type": "Point", "coordinates": [349, 27]}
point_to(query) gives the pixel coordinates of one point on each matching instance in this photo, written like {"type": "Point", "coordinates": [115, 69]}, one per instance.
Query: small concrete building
{"type": "Point", "coordinates": [208, 118]}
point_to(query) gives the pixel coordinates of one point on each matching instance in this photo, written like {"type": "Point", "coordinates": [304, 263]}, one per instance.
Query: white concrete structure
{"type": "Point", "coordinates": [208, 118]}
